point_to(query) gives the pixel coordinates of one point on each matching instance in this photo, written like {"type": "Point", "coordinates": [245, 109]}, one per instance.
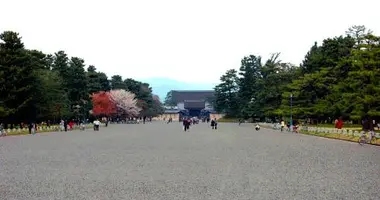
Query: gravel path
{"type": "Point", "coordinates": [160, 161]}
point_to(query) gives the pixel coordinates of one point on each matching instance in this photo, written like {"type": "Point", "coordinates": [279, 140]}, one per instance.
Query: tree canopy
{"type": "Point", "coordinates": [36, 87]}
{"type": "Point", "coordinates": [339, 78]}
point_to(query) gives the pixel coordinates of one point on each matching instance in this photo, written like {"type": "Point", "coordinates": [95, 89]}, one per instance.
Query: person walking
{"type": "Point", "coordinates": [170, 120]}
{"type": "Point", "coordinates": [282, 125]}
{"type": "Point", "coordinates": [62, 125]}
{"type": "Point", "coordinates": [2, 130]}
{"type": "Point", "coordinates": [96, 125]}
{"type": "Point", "coordinates": [30, 126]}
{"type": "Point", "coordinates": [215, 123]}
{"type": "Point", "coordinates": [367, 125]}
{"type": "Point", "coordinates": [65, 125]}
{"type": "Point", "coordinates": [188, 123]}
{"type": "Point", "coordinates": [184, 123]}
{"type": "Point", "coordinates": [339, 123]}
{"type": "Point", "coordinates": [33, 129]}
{"type": "Point", "coordinates": [71, 125]}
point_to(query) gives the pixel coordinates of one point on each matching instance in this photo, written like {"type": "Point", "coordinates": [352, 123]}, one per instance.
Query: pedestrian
{"type": "Point", "coordinates": [96, 125]}
{"type": "Point", "coordinates": [170, 120]}
{"type": "Point", "coordinates": [257, 127]}
{"type": "Point", "coordinates": [215, 123]}
{"type": "Point", "coordinates": [2, 130]}
{"type": "Point", "coordinates": [282, 125]}
{"type": "Point", "coordinates": [366, 124]}
{"type": "Point", "coordinates": [62, 125]}
{"type": "Point", "coordinates": [184, 123]}
{"type": "Point", "coordinates": [30, 126]}
{"type": "Point", "coordinates": [212, 124]}
{"type": "Point", "coordinates": [33, 129]}
{"type": "Point", "coordinates": [65, 125]}
{"type": "Point", "coordinates": [339, 123]}
{"type": "Point", "coordinates": [71, 125]}
{"type": "Point", "coordinates": [82, 127]}
{"type": "Point", "coordinates": [188, 123]}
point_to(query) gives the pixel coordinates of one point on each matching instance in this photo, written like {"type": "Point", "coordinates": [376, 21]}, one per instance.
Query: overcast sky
{"type": "Point", "coordinates": [192, 41]}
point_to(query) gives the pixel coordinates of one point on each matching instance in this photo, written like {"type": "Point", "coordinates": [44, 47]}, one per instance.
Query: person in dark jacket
{"type": "Point", "coordinates": [30, 126]}
{"type": "Point", "coordinates": [186, 124]}
{"type": "Point", "coordinates": [213, 124]}
{"type": "Point", "coordinates": [65, 125]}
{"type": "Point", "coordinates": [367, 124]}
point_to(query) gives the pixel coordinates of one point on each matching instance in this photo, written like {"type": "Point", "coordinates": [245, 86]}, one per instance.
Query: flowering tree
{"type": "Point", "coordinates": [102, 104]}
{"type": "Point", "coordinates": [125, 101]}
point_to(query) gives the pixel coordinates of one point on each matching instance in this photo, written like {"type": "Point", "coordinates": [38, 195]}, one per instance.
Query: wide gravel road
{"type": "Point", "coordinates": [160, 161]}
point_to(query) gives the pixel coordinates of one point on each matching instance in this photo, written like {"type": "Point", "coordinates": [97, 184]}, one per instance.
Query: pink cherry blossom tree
{"type": "Point", "coordinates": [125, 101]}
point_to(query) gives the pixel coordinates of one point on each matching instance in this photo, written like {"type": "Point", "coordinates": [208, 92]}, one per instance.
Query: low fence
{"type": "Point", "coordinates": [43, 129]}
{"type": "Point", "coordinates": [348, 132]}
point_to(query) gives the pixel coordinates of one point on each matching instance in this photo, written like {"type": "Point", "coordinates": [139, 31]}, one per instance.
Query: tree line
{"type": "Point", "coordinates": [339, 78]}
{"type": "Point", "coordinates": [35, 86]}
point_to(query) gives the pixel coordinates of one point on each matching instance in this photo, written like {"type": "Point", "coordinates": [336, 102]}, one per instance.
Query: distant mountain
{"type": "Point", "coordinates": [161, 86]}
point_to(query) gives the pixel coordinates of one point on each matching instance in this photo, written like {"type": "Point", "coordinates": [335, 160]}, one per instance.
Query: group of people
{"type": "Point", "coordinates": [186, 122]}
{"type": "Point", "coordinates": [214, 124]}
{"type": "Point", "coordinates": [65, 125]}
{"type": "Point", "coordinates": [289, 127]}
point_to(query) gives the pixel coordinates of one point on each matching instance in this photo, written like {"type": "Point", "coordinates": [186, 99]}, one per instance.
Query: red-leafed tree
{"type": "Point", "coordinates": [102, 104]}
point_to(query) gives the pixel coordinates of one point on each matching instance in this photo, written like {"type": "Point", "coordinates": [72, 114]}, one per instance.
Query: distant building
{"type": "Point", "coordinates": [190, 103]}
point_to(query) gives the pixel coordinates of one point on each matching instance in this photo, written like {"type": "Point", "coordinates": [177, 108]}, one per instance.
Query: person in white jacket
{"type": "Point", "coordinates": [257, 127]}
{"type": "Point", "coordinates": [96, 125]}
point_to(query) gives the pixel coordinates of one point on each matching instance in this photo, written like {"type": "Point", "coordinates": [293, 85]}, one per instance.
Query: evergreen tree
{"type": "Point", "coordinates": [226, 94]}
{"type": "Point", "coordinates": [249, 87]}
{"type": "Point", "coordinates": [117, 82]}
{"type": "Point", "coordinates": [17, 79]}
{"type": "Point", "coordinates": [93, 78]}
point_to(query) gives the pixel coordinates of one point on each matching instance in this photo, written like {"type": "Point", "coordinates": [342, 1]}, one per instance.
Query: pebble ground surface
{"type": "Point", "coordinates": [161, 161]}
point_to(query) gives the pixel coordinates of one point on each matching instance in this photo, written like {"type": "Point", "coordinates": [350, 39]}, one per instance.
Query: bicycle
{"type": "Point", "coordinates": [363, 139]}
